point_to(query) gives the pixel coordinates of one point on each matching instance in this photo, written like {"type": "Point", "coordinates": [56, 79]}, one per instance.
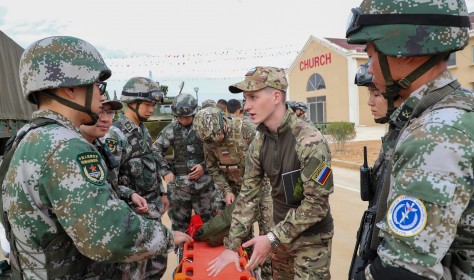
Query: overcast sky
{"type": "Point", "coordinates": [205, 43]}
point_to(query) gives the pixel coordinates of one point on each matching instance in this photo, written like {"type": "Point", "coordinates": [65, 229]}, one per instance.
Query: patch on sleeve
{"type": "Point", "coordinates": [112, 144]}
{"type": "Point", "coordinates": [406, 216]}
{"type": "Point", "coordinates": [91, 168]}
{"type": "Point", "coordinates": [321, 174]}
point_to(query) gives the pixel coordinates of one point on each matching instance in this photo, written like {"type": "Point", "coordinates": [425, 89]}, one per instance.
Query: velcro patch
{"type": "Point", "coordinates": [112, 144]}
{"type": "Point", "coordinates": [225, 153]}
{"type": "Point", "coordinates": [91, 168]}
{"type": "Point", "coordinates": [321, 174]}
{"type": "Point", "coordinates": [406, 216]}
{"type": "Point", "coordinates": [251, 72]}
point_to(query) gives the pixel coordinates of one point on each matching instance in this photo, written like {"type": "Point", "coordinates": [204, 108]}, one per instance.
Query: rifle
{"type": "Point", "coordinates": [362, 252]}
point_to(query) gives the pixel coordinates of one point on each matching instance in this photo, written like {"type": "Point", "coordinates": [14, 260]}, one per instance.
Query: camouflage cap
{"type": "Point", "coordinates": [410, 28]}
{"type": "Point", "coordinates": [184, 105]}
{"type": "Point", "coordinates": [209, 124]}
{"type": "Point", "coordinates": [140, 88]}
{"type": "Point", "coordinates": [60, 62]}
{"type": "Point", "coordinates": [363, 77]}
{"type": "Point", "coordinates": [262, 77]}
{"type": "Point", "coordinates": [208, 103]}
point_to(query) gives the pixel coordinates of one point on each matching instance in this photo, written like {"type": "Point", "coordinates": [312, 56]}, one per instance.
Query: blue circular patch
{"type": "Point", "coordinates": [406, 216]}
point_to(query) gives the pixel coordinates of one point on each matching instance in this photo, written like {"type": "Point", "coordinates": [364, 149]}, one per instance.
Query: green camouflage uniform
{"type": "Point", "coordinates": [438, 182]}
{"type": "Point", "coordinates": [303, 222]}
{"type": "Point", "coordinates": [427, 230]}
{"type": "Point", "coordinates": [56, 194]}
{"type": "Point", "coordinates": [185, 195]}
{"type": "Point", "coordinates": [63, 216]}
{"type": "Point", "coordinates": [140, 174]}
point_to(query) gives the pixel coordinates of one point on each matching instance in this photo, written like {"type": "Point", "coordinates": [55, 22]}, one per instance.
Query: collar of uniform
{"type": "Point", "coordinates": [288, 119]}
{"type": "Point", "coordinates": [58, 117]}
{"type": "Point", "coordinates": [127, 123]}
{"type": "Point", "coordinates": [403, 113]}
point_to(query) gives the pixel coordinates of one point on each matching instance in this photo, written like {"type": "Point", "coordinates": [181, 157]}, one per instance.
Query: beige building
{"type": "Point", "coordinates": [323, 73]}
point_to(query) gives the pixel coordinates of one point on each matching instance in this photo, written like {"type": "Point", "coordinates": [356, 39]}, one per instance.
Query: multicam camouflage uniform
{"type": "Point", "coordinates": [297, 162]}
{"type": "Point", "coordinates": [427, 232]}
{"type": "Point", "coordinates": [208, 103]}
{"type": "Point", "coordinates": [303, 224]}
{"type": "Point", "coordinates": [185, 195]}
{"type": "Point", "coordinates": [226, 162]}
{"type": "Point", "coordinates": [139, 168]}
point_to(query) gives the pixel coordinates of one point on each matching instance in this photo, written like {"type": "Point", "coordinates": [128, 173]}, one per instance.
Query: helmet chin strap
{"type": "Point", "coordinates": [85, 109]}
{"type": "Point", "coordinates": [392, 88]}
{"type": "Point", "coordinates": [135, 110]}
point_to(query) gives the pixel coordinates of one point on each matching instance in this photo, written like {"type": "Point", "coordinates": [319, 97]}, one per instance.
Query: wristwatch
{"type": "Point", "coordinates": [163, 194]}
{"type": "Point", "coordinates": [274, 242]}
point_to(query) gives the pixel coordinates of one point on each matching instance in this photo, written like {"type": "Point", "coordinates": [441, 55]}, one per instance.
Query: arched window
{"type": "Point", "coordinates": [315, 82]}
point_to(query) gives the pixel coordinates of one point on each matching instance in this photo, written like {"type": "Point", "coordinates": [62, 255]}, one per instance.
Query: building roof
{"type": "Point", "coordinates": [343, 44]}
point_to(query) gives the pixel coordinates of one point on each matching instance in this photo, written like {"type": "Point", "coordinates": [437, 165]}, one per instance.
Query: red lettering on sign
{"type": "Point", "coordinates": [315, 61]}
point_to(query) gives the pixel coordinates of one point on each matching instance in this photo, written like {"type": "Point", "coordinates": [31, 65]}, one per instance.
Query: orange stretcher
{"type": "Point", "coordinates": [195, 257]}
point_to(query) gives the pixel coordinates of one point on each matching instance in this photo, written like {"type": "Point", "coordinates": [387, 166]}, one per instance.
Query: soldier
{"type": "Point", "coordinates": [62, 217]}
{"type": "Point", "coordinates": [300, 110]}
{"type": "Point", "coordinates": [94, 133]}
{"type": "Point", "coordinates": [296, 158]}
{"type": "Point", "coordinates": [226, 141]}
{"type": "Point", "coordinates": [234, 108]}
{"type": "Point", "coordinates": [190, 187]}
{"type": "Point", "coordinates": [381, 110]}
{"type": "Point", "coordinates": [208, 103]}
{"type": "Point", "coordinates": [222, 104]}
{"type": "Point", "coordinates": [139, 172]}
{"type": "Point", "coordinates": [426, 224]}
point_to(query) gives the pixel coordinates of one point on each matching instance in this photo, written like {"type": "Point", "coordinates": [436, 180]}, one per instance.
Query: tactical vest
{"type": "Point", "coordinates": [59, 259]}
{"type": "Point", "coordinates": [182, 158]}
{"type": "Point", "coordinates": [142, 156]}
{"type": "Point", "coordinates": [228, 154]}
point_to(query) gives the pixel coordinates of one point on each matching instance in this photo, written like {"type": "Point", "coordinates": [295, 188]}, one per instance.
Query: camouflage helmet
{"type": "Point", "coordinates": [291, 104]}
{"type": "Point", "coordinates": [208, 103]}
{"type": "Point", "coordinates": [184, 105]}
{"type": "Point", "coordinates": [363, 77]}
{"type": "Point", "coordinates": [141, 89]}
{"type": "Point", "coordinates": [410, 28]}
{"type": "Point", "coordinates": [302, 106]}
{"type": "Point", "coordinates": [209, 124]}
{"type": "Point", "coordinates": [60, 62]}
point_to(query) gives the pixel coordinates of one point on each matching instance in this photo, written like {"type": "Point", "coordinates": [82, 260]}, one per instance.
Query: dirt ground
{"type": "Point", "coordinates": [354, 151]}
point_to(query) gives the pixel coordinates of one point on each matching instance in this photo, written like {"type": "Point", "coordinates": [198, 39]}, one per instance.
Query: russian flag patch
{"type": "Point", "coordinates": [225, 153]}
{"type": "Point", "coordinates": [321, 174]}
{"type": "Point", "coordinates": [251, 72]}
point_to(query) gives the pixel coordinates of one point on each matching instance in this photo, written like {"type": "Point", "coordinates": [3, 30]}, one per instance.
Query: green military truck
{"type": "Point", "coordinates": [15, 111]}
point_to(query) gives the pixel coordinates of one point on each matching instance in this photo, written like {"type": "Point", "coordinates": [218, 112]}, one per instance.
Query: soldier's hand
{"type": "Point", "coordinates": [140, 203]}
{"type": "Point", "coordinates": [261, 250]}
{"type": "Point", "coordinates": [224, 259]}
{"type": "Point", "coordinates": [196, 172]}
{"type": "Point", "coordinates": [181, 237]}
{"type": "Point", "coordinates": [169, 177]}
{"type": "Point", "coordinates": [229, 198]}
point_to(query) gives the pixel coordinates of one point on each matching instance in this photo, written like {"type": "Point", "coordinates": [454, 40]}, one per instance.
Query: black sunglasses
{"type": "Point", "coordinates": [102, 87]}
